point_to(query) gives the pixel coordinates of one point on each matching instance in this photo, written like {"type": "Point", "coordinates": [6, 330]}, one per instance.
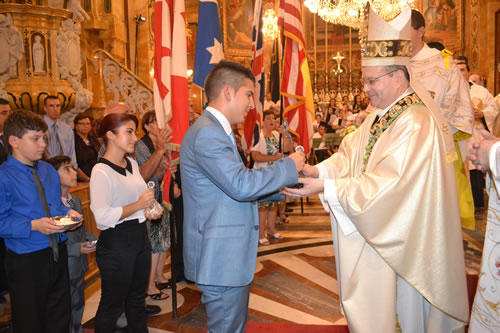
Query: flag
{"type": "Point", "coordinates": [275, 72]}
{"type": "Point", "coordinates": [209, 48]}
{"type": "Point", "coordinates": [251, 126]}
{"type": "Point", "coordinates": [170, 70]}
{"type": "Point", "coordinates": [296, 86]}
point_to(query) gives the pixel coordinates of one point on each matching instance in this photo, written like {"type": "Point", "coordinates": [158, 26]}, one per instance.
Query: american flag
{"type": "Point", "coordinates": [296, 82]}
{"type": "Point", "coordinates": [170, 70]}
{"type": "Point", "coordinates": [251, 126]}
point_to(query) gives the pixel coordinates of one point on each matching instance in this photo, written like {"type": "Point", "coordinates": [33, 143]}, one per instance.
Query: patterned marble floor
{"type": "Point", "coordinates": [295, 279]}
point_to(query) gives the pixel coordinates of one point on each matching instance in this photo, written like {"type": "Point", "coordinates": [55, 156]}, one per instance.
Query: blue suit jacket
{"type": "Point", "coordinates": [221, 223]}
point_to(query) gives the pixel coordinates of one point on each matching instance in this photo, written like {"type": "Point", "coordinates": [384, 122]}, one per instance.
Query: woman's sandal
{"type": "Point", "coordinates": [283, 218]}
{"type": "Point", "coordinates": [158, 296]}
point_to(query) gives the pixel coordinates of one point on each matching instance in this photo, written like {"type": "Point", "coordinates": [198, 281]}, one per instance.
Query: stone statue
{"type": "Point", "coordinates": [38, 55]}
{"type": "Point", "coordinates": [73, 6]}
{"type": "Point", "coordinates": [11, 44]}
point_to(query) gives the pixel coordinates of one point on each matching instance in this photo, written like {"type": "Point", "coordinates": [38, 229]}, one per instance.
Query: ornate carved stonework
{"type": "Point", "coordinates": [125, 87]}
{"type": "Point", "coordinates": [68, 52]}
{"type": "Point", "coordinates": [11, 44]}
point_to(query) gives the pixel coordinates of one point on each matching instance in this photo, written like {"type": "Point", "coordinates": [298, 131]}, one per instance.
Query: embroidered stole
{"type": "Point", "coordinates": [386, 120]}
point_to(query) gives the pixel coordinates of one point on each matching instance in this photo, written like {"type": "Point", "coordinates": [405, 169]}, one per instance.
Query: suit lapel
{"type": "Point", "coordinates": [228, 139]}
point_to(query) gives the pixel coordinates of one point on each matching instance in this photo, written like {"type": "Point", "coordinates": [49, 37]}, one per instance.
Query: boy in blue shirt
{"type": "Point", "coordinates": [36, 260]}
{"type": "Point", "coordinates": [78, 244]}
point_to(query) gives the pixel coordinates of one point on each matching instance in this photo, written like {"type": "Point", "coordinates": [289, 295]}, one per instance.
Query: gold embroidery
{"type": "Point", "coordinates": [384, 49]}
{"type": "Point", "coordinates": [386, 120]}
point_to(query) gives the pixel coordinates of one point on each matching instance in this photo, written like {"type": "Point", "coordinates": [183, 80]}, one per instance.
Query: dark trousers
{"type": "Point", "coordinates": [477, 186]}
{"type": "Point", "coordinates": [123, 256]}
{"type": "Point", "coordinates": [77, 288]}
{"type": "Point", "coordinates": [39, 291]}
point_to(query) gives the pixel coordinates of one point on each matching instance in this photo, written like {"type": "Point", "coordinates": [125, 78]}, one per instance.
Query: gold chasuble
{"type": "Point", "coordinates": [404, 207]}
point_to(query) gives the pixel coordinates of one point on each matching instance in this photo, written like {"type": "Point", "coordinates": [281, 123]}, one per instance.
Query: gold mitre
{"type": "Point", "coordinates": [387, 43]}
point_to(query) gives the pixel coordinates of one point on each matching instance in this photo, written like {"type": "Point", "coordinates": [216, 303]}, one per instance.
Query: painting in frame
{"type": "Point", "coordinates": [443, 22]}
{"type": "Point", "coordinates": [237, 27]}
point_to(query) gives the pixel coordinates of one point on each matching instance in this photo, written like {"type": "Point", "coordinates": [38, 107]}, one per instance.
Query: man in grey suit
{"type": "Point", "coordinates": [221, 225]}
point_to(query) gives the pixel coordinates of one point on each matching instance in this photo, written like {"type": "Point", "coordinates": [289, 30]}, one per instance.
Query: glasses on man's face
{"type": "Point", "coordinates": [83, 124]}
{"type": "Point", "coordinates": [371, 82]}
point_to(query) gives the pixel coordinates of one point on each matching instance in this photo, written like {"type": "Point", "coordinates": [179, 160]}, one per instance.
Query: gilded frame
{"type": "Point", "coordinates": [237, 17]}
{"type": "Point", "coordinates": [448, 26]}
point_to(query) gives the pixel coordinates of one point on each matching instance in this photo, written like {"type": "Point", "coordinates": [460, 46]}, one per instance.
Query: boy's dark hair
{"type": "Point", "coordinates": [4, 101]}
{"type": "Point", "coordinates": [49, 97]}
{"type": "Point", "coordinates": [58, 161]}
{"type": "Point", "coordinates": [20, 122]}
{"type": "Point", "coordinates": [226, 73]}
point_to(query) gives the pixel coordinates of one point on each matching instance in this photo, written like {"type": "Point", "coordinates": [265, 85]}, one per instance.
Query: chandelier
{"type": "Point", "coordinates": [270, 25]}
{"type": "Point", "coordinates": [351, 13]}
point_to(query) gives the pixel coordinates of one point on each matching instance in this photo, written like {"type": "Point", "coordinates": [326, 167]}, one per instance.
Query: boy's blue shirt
{"type": "Point", "coordinates": [20, 203]}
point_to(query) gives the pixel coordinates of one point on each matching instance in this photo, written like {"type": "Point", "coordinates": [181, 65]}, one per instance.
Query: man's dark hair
{"type": "Point", "coordinates": [58, 161]}
{"type": "Point", "coordinates": [4, 101]}
{"type": "Point", "coordinates": [463, 60]}
{"type": "Point", "coordinates": [49, 97]}
{"type": "Point", "coordinates": [436, 45]}
{"type": "Point", "coordinates": [226, 73]}
{"type": "Point", "coordinates": [417, 19]}
{"type": "Point", "coordinates": [20, 122]}
{"type": "Point", "coordinates": [402, 68]}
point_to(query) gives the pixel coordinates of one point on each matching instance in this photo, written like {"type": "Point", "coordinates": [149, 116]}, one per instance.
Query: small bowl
{"type": "Point", "coordinates": [67, 221]}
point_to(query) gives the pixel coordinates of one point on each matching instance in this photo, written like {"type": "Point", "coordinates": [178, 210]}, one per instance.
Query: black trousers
{"type": "Point", "coordinates": [123, 256]}
{"type": "Point", "coordinates": [477, 186]}
{"type": "Point", "coordinates": [39, 291]}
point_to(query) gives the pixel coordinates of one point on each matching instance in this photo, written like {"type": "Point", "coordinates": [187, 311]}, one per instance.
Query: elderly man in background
{"type": "Point", "coordinates": [392, 194]}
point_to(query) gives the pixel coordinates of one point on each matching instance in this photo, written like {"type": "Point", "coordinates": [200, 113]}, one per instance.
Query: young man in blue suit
{"type": "Point", "coordinates": [221, 224]}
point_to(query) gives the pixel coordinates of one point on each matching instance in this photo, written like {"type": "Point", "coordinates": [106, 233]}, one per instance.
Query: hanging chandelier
{"type": "Point", "coordinates": [270, 25]}
{"type": "Point", "coordinates": [351, 13]}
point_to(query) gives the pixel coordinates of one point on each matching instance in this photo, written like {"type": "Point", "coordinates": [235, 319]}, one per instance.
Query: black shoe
{"type": "Point", "coordinates": [152, 309]}
{"type": "Point", "coordinates": [288, 210]}
{"type": "Point", "coordinates": [164, 285]}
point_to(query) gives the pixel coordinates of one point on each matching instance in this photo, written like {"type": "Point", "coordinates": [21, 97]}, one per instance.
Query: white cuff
{"type": "Point", "coordinates": [493, 158]}
{"type": "Point", "coordinates": [330, 193]}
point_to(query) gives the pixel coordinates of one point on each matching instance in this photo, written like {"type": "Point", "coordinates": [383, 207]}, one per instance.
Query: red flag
{"type": "Point", "coordinates": [170, 67]}
{"type": "Point", "coordinates": [296, 82]}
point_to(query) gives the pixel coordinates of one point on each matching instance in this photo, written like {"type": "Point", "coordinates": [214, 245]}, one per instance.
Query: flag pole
{"type": "Point", "coordinates": [280, 70]}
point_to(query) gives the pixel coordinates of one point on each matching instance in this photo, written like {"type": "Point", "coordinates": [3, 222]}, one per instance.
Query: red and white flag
{"type": "Point", "coordinates": [296, 86]}
{"type": "Point", "coordinates": [170, 70]}
{"type": "Point", "coordinates": [253, 120]}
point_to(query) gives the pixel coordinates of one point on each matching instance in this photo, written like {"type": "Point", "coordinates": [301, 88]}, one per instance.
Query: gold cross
{"type": "Point", "coordinates": [338, 58]}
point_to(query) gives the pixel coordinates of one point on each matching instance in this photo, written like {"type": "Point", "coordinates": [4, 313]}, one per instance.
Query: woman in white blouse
{"type": "Point", "coordinates": [119, 196]}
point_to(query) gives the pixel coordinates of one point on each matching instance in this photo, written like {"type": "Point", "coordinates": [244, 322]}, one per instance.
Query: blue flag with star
{"type": "Point", "coordinates": [209, 49]}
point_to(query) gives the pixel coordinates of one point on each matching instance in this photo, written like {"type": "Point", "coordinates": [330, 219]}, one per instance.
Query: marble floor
{"type": "Point", "coordinates": [295, 279]}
